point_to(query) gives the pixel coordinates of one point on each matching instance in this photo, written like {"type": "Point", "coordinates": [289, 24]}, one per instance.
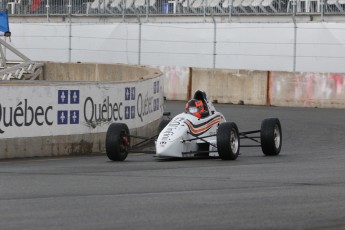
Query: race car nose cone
{"type": "Point", "coordinates": [169, 149]}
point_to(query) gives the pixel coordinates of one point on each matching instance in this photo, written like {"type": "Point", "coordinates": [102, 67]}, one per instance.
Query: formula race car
{"type": "Point", "coordinates": [199, 131]}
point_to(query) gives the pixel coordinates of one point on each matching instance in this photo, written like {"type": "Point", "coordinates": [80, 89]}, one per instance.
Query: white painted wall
{"type": "Point", "coordinates": [71, 109]}
{"type": "Point", "coordinates": [253, 46]}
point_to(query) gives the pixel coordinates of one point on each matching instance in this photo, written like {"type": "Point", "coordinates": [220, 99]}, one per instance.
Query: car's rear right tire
{"type": "Point", "coordinates": [228, 141]}
{"type": "Point", "coordinates": [271, 136]}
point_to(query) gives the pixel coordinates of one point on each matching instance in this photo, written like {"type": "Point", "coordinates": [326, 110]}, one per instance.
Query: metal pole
{"type": "Point", "coordinates": [322, 4]}
{"type": "Point", "coordinates": [214, 42]}
{"type": "Point", "coordinates": [69, 9]}
{"type": "Point", "coordinates": [294, 44]}
{"type": "Point", "coordinates": [123, 10]}
{"type": "Point", "coordinates": [147, 9]}
{"type": "Point", "coordinates": [139, 48]}
{"type": "Point", "coordinates": [70, 32]}
{"type": "Point", "coordinates": [3, 58]}
{"type": "Point", "coordinates": [47, 9]}
{"type": "Point", "coordinates": [204, 7]}
{"type": "Point", "coordinates": [139, 39]}
{"type": "Point", "coordinates": [230, 4]}
{"type": "Point", "coordinates": [294, 8]}
{"type": "Point", "coordinates": [14, 50]}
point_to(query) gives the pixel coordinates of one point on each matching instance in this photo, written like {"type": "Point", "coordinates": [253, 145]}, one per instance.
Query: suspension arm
{"type": "Point", "coordinates": [200, 138]}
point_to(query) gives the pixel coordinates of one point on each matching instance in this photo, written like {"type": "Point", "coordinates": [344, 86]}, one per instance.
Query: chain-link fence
{"type": "Point", "coordinates": [172, 7]}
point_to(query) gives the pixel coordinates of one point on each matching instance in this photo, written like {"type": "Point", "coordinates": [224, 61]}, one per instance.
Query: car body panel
{"type": "Point", "coordinates": [185, 134]}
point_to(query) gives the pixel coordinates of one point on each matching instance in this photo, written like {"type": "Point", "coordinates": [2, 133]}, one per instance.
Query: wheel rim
{"type": "Point", "coordinates": [124, 142]}
{"type": "Point", "coordinates": [233, 141]}
{"type": "Point", "coordinates": [277, 137]}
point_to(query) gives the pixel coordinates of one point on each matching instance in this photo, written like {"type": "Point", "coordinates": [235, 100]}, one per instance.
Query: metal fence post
{"type": "Point", "coordinates": [47, 9]}
{"type": "Point", "coordinates": [70, 31]}
{"type": "Point", "coordinates": [139, 39]}
{"type": "Point", "coordinates": [230, 4]}
{"type": "Point", "coordinates": [204, 8]}
{"type": "Point", "coordinates": [294, 44]}
{"type": "Point", "coordinates": [214, 42]}
{"type": "Point", "coordinates": [139, 51]}
{"type": "Point", "coordinates": [322, 9]}
{"type": "Point", "coordinates": [147, 2]}
{"type": "Point", "coordinates": [123, 10]}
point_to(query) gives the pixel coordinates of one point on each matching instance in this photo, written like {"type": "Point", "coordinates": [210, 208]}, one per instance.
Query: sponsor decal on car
{"type": "Point", "coordinates": [198, 129]}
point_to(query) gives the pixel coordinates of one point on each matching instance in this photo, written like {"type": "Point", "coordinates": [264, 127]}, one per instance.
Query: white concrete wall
{"type": "Point", "coordinates": [251, 46]}
{"type": "Point", "coordinates": [71, 114]}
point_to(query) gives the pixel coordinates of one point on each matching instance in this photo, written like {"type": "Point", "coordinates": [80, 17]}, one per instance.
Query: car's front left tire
{"type": "Point", "coordinates": [228, 141]}
{"type": "Point", "coordinates": [117, 142]}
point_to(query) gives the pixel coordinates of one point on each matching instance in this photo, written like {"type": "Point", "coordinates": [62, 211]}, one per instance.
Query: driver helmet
{"type": "Point", "coordinates": [195, 107]}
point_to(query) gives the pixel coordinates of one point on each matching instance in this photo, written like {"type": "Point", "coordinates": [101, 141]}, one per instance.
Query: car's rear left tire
{"type": "Point", "coordinates": [228, 141]}
{"type": "Point", "coordinates": [117, 142]}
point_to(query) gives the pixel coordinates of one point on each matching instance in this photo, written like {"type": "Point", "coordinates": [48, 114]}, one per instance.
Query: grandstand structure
{"type": "Point", "coordinates": [289, 53]}
{"type": "Point", "coordinates": [21, 69]}
{"type": "Point", "coordinates": [174, 7]}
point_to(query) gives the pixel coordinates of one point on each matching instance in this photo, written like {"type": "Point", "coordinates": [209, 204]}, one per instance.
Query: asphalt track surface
{"type": "Point", "coordinates": [303, 188]}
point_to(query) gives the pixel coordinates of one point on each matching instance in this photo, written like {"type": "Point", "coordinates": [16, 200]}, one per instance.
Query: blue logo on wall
{"type": "Point", "coordinates": [62, 96]}
{"type": "Point", "coordinates": [155, 87]}
{"type": "Point", "coordinates": [74, 99]}
{"type": "Point", "coordinates": [62, 116]}
{"type": "Point", "coordinates": [156, 104]}
{"type": "Point", "coordinates": [129, 93]}
{"type": "Point", "coordinates": [132, 112]}
{"type": "Point", "coordinates": [133, 93]}
{"type": "Point", "coordinates": [127, 112]}
{"type": "Point", "coordinates": [74, 117]}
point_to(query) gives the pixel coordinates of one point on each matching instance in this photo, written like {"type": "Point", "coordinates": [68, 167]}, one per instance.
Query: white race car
{"type": "Point", "coordinates": [193, 133]}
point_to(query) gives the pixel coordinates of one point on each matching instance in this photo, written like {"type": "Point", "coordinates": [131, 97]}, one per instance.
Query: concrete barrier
{"type": "Point", "coordinates": [224, 86]}
{"type": "Point", "coordinates": [176, 82]}
{"type": "Point", "coordinates": [70, 111]}
{"type": "Point", "coordinates": [323, 90]}
{"type": "Point", "coordinates": [54, 71]}
{"type": "Point", "coordinates": [232, 86]}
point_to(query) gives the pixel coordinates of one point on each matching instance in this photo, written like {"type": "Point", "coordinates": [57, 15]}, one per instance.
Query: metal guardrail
{"type": "Point", "coordinates": [173, 7]}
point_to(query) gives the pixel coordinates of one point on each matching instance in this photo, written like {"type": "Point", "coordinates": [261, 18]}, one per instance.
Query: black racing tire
{"type": "Point", "coordinates": [162, 125]}
{"type": "Point", "coordinates": [117, 142]}
{"type": "Point", "coordinates": [228, 141]}
{"type": "Point", "coordinates": [271, 137]}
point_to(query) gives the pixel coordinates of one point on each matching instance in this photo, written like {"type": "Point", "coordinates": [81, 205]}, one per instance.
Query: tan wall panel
{"type": "Point", "coordinates": [324, 90]}
{"type": "Point", "coordinates": [232, 86]}
{"type": "Point", "coordinates": [96, 72]}
{"type": "Point", "coordinates": [176, 82]}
